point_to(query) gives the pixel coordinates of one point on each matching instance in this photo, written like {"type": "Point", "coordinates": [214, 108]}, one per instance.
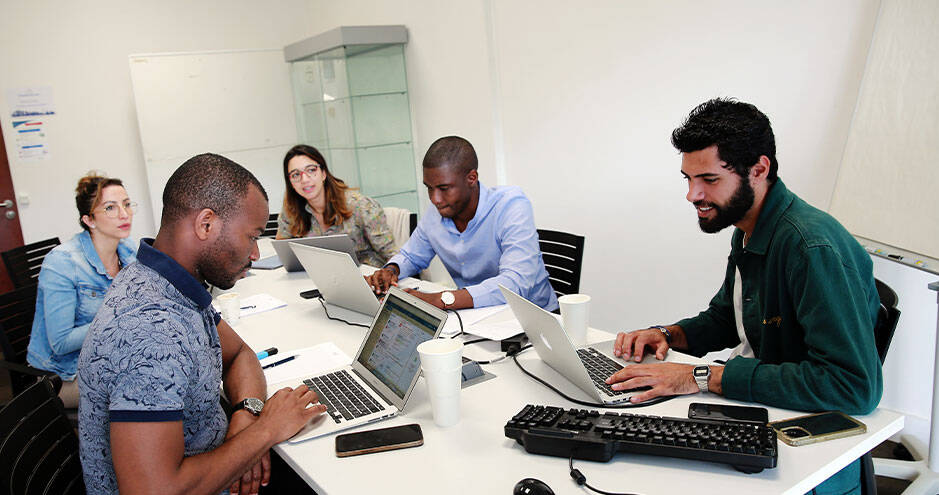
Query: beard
{"type": "Point", "coordinates": [730, 213]}
{"type": "Point", "coordinates": [215, 264]}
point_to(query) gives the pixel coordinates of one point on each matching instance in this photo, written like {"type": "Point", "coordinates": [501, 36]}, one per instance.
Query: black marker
{"type": "Point", "coordinates": [278, 363]}
{"type": "Point", "coordinates": [267, 352]}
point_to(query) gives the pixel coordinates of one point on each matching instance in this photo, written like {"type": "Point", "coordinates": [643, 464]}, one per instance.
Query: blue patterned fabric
{"type": "Point", "coordinates": [72, 284]}
{"type": "Point", "coordinates": [151, 354]}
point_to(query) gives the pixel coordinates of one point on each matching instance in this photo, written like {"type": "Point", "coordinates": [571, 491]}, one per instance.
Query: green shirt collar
{"type": "Point", "coordinates": [777, 201]}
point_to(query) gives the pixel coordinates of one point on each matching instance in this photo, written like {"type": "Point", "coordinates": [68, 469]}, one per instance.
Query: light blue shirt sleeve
{"type": "Point", "coordinates": [60, 302]}
{"type": "Point", "coordinates": [520, 258]}
{"type": "Point", "coordinates": [415, 255]}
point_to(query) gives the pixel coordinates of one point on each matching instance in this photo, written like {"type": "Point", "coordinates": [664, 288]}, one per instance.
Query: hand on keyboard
{"type": "Point", "coordinates": [632, 345]}
{"type": "Point", "coordinates": [664, 378]}
{"type": "Point", "coordinates": [286, 412]}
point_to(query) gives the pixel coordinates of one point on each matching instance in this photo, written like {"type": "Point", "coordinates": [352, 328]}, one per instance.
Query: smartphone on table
{"type": "Point", "coordinates": [726, 412]}
{"type": "Point", "coordinates": [380, 440]}
{"type": "Point", "coordinates": [812, 428]}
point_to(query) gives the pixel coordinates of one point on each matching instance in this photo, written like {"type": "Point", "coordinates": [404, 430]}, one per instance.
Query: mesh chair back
{"type": "Point", "coordinates": [23, 263]}
{"type": "Point", "coordinates": [563, 255]}
{"type": "Point", "coordinates": [270, 229]}
{"type": "Point", "coordinates": [887, 318]}
{"type": "Point", "coordinates": [17, 309]}
{"type": "Point", "coordinates": [38, 446]}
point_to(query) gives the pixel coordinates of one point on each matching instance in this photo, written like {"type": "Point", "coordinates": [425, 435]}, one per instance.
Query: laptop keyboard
{"type": "Point", "coordinates": [600, 367]}
{"type": "Point", "coordinates": [342, 395]}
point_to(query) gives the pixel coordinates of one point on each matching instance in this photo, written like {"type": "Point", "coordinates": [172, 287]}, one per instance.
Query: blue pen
{"type": "Point", "coordinates": [278, 363]}
{"type": "Point", "coordinates": [267, 352]}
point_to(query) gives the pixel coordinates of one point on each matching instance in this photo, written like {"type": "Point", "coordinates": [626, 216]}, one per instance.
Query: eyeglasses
{"type": "Point", "coordinates": [296, 175]}
{"type": "Point", "coordinates": [111, 210]}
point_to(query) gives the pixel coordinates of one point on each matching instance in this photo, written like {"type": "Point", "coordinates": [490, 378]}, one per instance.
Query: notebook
{"type": "Point", "coordinates": [338, 279]}
{"type": "Point", "coordinates": [379, 381]}
{"type": "Point", "coordinates": [285, 256]}
{"type": "Point", "coordinates": [587, 367]}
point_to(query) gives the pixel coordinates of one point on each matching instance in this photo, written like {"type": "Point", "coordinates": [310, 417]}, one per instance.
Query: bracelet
{"type": "Point", "coordinates": [665, 332]}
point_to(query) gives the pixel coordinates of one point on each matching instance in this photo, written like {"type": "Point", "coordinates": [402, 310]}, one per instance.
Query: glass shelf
{"type": "Point", "coordinates": [352, 104]}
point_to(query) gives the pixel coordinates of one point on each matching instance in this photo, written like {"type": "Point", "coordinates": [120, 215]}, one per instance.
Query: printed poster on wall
{"type": "Point", "coordinates": [30, 111]}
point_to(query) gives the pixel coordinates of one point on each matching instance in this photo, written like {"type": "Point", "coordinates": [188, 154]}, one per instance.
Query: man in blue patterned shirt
{"type": "Point", "coordinates": [156, 354]}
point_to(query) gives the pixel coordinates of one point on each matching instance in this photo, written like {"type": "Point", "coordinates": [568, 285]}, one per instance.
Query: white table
{"type": "Point", "coordinates": [474, 456]}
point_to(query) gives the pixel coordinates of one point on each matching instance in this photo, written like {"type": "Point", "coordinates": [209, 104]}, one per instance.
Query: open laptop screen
{"type": "Point", "coordinates": [390, 350]}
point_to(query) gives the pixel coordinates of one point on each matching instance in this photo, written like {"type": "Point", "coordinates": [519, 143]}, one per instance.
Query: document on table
{"type": "Point", "coordinates": [471, 318]}
{"type": "Point", "coordinates": [306, 362]}
{"type": "Point", "coordinates": [260, 303]}
{"type": "Point", "coordinates": [498, 330]}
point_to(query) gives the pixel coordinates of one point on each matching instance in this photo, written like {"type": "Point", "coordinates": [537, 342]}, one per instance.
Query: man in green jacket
{"type": "Point", "coordinates": [798, 302]}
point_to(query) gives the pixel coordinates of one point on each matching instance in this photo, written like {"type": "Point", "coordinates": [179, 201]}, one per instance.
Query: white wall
{"type": "Point", "coordinates": [80, 49]}
{"type": "Point", "coordinates": [591, 93]}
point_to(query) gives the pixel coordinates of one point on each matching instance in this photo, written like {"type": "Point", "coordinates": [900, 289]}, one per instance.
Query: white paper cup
{"type": "Point", "coordinates": [230, 306]}
{"type": "Point", "coordinates": [441, 363]}
{"type": "Point", "coordinates": [574, 314]}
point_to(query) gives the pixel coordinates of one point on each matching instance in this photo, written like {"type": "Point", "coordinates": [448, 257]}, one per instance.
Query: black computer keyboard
{"type": "Point", "coordinates": [599, 368]}
{"type": "Point", "coordinates": [595, 436]}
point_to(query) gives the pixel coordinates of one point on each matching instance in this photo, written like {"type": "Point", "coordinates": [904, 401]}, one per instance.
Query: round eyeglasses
{"type": "Point", "coordinates": [111, 210]}
{"type": "Point", "coordinates": [309, 170]}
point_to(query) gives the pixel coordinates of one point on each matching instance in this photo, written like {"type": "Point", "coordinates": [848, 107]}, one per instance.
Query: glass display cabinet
{"type": "Point", "coordinates": [351, 97]}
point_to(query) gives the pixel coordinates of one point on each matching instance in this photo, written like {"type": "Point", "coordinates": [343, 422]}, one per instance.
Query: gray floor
{"type": "Point", "coordinates": [885, 486]}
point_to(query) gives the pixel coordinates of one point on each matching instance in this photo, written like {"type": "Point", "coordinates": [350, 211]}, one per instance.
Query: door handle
{"type": "Point", "coordinates": [7, 204]}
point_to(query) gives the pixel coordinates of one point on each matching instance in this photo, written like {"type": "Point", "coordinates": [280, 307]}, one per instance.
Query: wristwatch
{"type": "Point", "coordinates": [447, 298]}
{"type": "Point", "coordinates": [252, 405]}
{"type": "Point", "coordinates": [701, 375]}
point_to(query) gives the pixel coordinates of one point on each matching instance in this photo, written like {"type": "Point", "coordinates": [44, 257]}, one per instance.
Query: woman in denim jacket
{"type": "Point", "coordinates": [75, 276]}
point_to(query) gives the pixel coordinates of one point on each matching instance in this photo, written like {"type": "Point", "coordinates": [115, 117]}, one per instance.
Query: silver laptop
{"type": "Point", "coordinates": [338, 279]}
{"type": "Point", "coordinates": [587, 367]}
{"type": "Point", "coordinates": [338, 242]}
{"type": "Point", "coordinates": [380, 379]}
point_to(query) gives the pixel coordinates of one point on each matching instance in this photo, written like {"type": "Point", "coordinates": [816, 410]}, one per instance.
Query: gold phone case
{"type": "Point", "coordinates": [799, 424]}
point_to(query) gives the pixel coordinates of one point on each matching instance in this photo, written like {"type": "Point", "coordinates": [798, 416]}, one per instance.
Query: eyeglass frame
{"type": "Point", "coordinates": [130, 208]}
{"type": "Point", "coordinates": [316, 167]}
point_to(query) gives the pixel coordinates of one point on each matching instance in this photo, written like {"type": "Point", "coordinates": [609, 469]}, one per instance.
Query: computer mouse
{"type": "Point", "coordinates": [531, 486]}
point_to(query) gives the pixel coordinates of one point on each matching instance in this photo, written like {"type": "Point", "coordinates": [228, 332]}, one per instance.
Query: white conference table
{"type": "Point", "coordinates": [475, 456]}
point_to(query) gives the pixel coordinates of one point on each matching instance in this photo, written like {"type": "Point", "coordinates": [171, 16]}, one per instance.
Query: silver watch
{"type": "Point", "coordinates": [252, 405]}
{"type": "Point", "coordinates": [447, 298]}
{"type": "Point", "coordinates": [701, 375]}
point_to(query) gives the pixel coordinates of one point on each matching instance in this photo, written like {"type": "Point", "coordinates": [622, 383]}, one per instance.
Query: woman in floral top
{"type": "Point", "coordinates": [318, 203]}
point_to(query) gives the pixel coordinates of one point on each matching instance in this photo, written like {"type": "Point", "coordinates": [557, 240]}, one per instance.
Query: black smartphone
{"type": "Point", "coordinates": [310, 294]}
{"type": "Point", "coordinates": [380, 440]}
{"type": "Point", "coordinates": [725, 412]}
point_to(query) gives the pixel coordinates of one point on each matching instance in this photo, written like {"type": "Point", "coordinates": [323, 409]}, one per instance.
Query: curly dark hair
{"type": "Point", "coordinates": [207, 181]}
{"type": "Point", "coordinates": [741, 132]}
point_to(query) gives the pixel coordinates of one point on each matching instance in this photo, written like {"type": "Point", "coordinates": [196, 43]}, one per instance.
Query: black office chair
{"type": "Point", "coordinates": [17, 309]}
{"type": "Point", "coordinates": [412, 222]}
{"type": "Point", "coordinates": [39, 447]}
{"type": "Point", "coordinates": [23, 263]}
{"type": "Point", "coordinates": [270, 229]}
{"type": "Point", "coordinates": [887, 317]}
{"type": "Point", "coordinates": [563, 256]}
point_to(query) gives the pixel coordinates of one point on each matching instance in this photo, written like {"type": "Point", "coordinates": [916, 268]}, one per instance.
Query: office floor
{"type": "Point", "coordinates": [292, 484]}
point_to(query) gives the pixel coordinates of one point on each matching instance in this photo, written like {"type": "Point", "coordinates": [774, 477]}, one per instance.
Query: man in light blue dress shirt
{"type": "Point", "coordinates": [484, 236]}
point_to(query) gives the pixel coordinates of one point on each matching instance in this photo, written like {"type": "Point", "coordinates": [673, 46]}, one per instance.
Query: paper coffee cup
{"type": "Point", "coordinates": [574, 315]}
{"type": "Point", "coordinates": [442, 364]}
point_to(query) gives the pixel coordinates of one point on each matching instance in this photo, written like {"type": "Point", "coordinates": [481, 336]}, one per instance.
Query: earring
{"type": "Point", "coordinates": [92, 226]}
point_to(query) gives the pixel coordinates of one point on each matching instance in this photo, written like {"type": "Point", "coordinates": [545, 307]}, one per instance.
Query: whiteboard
{"type": "Point", "coordinates": [887, 183]}
{"type": "Point", "coordinates": [234, 103]}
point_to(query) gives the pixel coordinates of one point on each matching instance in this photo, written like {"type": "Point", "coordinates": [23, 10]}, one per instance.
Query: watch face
{"type": "Point", "coordinates": [447, 297]}
{"type": "Point", "coordinates": [254, 405]}
{"type": "Point", "coordinates": [701, 371]}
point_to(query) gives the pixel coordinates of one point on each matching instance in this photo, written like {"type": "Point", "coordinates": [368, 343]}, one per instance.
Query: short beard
{"type": "Point", "coordinates": [213, 263]}
{"type": "Point", "coordinates": [731, 213]}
